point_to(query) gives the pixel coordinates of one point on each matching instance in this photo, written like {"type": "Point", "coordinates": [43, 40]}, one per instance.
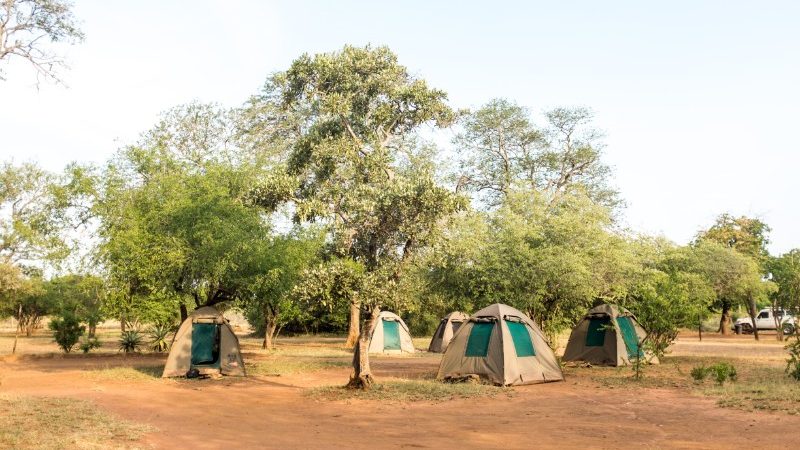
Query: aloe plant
{"type": "Point", "coordinates": [131, 341]}
{"type": "Point", "coordinates": [159, 335]}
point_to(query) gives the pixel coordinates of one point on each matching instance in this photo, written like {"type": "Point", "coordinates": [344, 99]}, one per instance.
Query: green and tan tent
{"type": "Point", "coordinates": [607, 335]}
{"type": "Point", "coordinates": [205, 341]}
{"type": "Point", "coordinates": [446, 330]}
{"type": "Point", "coordinates": [390, 335]}
{"type": "Point", "coordinates": [501, 345]}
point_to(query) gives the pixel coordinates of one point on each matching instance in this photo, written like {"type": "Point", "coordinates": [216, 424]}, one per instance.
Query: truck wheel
{"type": "Point", "coordinates": [788, 329]}
{"type": "Point", "coordinates": [737, 328]}
{"type": "Point", "coordinates": [747, 328]}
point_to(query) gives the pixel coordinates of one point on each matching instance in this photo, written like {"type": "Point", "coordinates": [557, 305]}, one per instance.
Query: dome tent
{"type": "Point", "coordinates": [503, 346]}
{"type": "Point", "coordinates": [607, 335]}
{"type": "Point", "coordinates": [390, 335]}
{"type": "Point", "coordinates": [447, 328]}
{"type": "Point", "coordinates": [206, 342]}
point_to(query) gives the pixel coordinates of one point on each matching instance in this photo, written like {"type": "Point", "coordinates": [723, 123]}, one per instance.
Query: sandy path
{"type": "Point", "coordinates": [274, 412]}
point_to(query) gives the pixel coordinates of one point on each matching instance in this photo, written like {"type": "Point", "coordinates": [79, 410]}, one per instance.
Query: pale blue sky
{"type": "Point", "coordinates": [699, 100]}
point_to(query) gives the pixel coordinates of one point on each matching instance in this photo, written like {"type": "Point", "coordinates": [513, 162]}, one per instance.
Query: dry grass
{"type": "Point", "coordinates": [141, 374]}
{"type": "Point", "coordinates": [410, 391]}
{"type": "Point", "coordinates": [310, 351]}
{"type": "Point", "coordinates": [761, 384]}
{"type": "Point", "coordinates": [758, 388]}
{"type": "Point", "coordinates": [275, 367]}
{"type": "Point", "coordinates": [55, 423]}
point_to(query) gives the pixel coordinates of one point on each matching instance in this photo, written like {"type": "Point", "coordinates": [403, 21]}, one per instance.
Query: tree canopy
{"type": "Point", "coordinates": [323, 199]}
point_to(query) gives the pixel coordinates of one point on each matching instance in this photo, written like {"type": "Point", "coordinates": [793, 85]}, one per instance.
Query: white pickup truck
{"type": "Point", "coordinates": [766, 321]}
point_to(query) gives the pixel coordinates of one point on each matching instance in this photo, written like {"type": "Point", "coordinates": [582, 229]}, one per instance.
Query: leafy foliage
{"type": "Point", "coordinates": [30, 297]}
{"type": "Point", "coordinates": [785, 270]}
{"type": "Point", "coordinates": [501, 149]}
{"type": "Point", "coordinates": [793, 363]}
{"type": "Point", "coordinates": [551, 260]}
{"type": "Point", "coordinates": [89, 343]}
{"type": "Point", "coordinates": [175, 235]}
{"type": "Point", "coordinates": [30, 226]}
{"type": "Point", "coordinates": [720, 372]}
{"type": "Point", "coordinates": [67, 330]}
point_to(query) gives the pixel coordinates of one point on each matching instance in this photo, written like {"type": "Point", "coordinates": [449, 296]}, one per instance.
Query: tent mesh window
{"type": "Point", "coordinates": [522, 338]}
{"type": "Point", "coordinates": [440, 330]}
{"type": "Point", "coordinates": [456, 326]}
{"type": "Point", "coordinates": [478, 342]}
{"type": "Point", "coordinates": [391, 335]}
{"type": "Point", "coordinates": [205, 344]}
{"type": "Point", "coordinates": [596, 334]}
{"type": "Point", "coordinates": [629, 336]}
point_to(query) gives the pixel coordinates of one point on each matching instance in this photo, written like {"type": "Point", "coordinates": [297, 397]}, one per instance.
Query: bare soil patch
{"type": "Point", "coordinates": [289, 403]}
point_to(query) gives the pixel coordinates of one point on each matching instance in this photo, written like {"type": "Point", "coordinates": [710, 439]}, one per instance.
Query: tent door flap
{"type": "Point", "coordinates": [391, 335]}
{"type": "Point", "coordinates": [205, 344]}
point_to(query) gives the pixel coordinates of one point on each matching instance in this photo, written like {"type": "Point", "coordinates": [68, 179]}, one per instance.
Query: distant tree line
{"type": "Point", "coordinates": [319, 201]}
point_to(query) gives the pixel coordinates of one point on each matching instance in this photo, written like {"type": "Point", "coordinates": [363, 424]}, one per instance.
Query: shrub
{"type": "Point", "coordinates": [89, 343]}
{"type": "Point", "coordinates": [159, 337]}
{"type": "Point", "coordinates": [699, 373]}
{"type": "Point", "coordinates": [130, 341]}
{"type": "Point", "coordinates": [793, 363]}
{"type": "Point", "coordinates": [720, 372]}
{"type": "Point", "coordinates": [67, 329]}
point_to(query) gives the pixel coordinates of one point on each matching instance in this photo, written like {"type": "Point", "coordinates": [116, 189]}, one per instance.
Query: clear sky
{"type": "Point", "coordinates": [700, 100]}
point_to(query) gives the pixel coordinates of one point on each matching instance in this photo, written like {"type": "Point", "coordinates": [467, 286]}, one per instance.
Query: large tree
{"type": "Point", "coordinates": [356, 167]}
{"type": "Point", "coordinates": [30, 227]}
{"type": "Point", "coordinates": [28, 302]}
{"type": "Point", "coordinates": [501, 147]}
{"type": "Point", "coordinates": [266, 286]}
{"type": "Point", "coordinates": [181, 237]}
{"type": "Point", "coordinates": [550, 259]}
{"type": "Point", "coordinates": [746, 236]}
{"type": "Point", "coordinates": [26, 27]}
{"type": "Point", "coordinates": [735, 277]}
{"type": "Point", "coordinates": [665, 292]}
{"type": "Point", "coordinates": [178, 224]}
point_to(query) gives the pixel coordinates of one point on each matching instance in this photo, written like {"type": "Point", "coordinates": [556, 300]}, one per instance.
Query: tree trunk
{"type": "Point", "coordinates": [270, 326]}
{"type": "Point", "coordinates": [700, 331]}
{"type": "Point", "coordinates": [29, 328]}
{"type": "Point", "coordinates": [16, 331]}
{"type": "Point", "coordinates": [751, 311]}
{"type": "Point", "coordinates": [354, 325]}
{"type": "Point", "coordinates": [184, 313]}
{"type": "Point", "coordinates": [778, 325]}
{"type": "Point", "coordinates": [362, 374]}
{"type": "Point", "coordinates": [122, 324]}
{"type": "Point", "coordinates": [92, 330]}
{"type": "Point", "coordinates": [725, 319]}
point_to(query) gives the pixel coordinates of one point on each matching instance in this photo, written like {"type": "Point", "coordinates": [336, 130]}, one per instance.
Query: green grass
{"type": "Point", "coordinates": [147, 373]}
{"type": "Point", "coordinates": [276, 367]}
{"type": "Point", "coordinates": [409, 391]}
{"type": "Point", "coordinates": [56, 423]}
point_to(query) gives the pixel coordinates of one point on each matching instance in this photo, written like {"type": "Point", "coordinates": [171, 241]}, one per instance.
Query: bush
{"type": "Point", "coordinates": [793, 363]}
{"type": "Point", "coordinates": [699, 373]}
{"type": "Point", "coordinates": [67, 329]}
{"type": "Point", "coordinates": [89, 343]}
{"type": "Point", "coordinates": [130, 341]}
{"type": "Point", "coordinates": [720, 372]}
{"type": "Point", "coordinates": [159, 337]}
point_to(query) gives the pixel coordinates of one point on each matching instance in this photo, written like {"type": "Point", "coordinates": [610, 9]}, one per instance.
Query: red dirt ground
{"type": "Point", "coordinates": [273, 412]}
